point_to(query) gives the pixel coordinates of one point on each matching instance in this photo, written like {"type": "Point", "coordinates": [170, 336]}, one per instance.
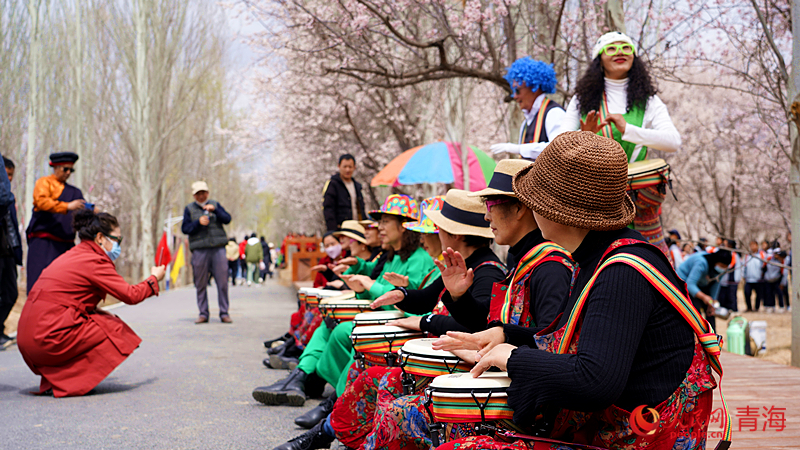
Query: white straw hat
{"type": "Point", "coordinates": [461, 215]}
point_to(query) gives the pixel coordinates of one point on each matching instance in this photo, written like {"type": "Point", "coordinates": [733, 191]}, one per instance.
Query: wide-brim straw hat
{"type": "Point", "coordinates": [461, 215]}
{"type": "Point", "coordinates": [351, 229]}
{"type": "Point", "coordinates": [579, 180]}
{"type": "Point", "coordinates": [425, 225]}
{"type": "Point", "coordinates": [368, 223]}
{"type": "Point", "coordinates": [500, 183]}
{"type": "Point", "coordinates": [399, 205]}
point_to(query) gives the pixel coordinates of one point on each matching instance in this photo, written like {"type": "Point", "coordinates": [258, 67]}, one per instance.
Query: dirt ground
{"type": "Point", "coordinates": [779, 327]}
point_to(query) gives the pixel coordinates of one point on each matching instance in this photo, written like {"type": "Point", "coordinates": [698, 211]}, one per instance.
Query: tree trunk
{"type": "Point", "coordinates": [143, 147]}
{"type": "Point", "coordinates": [794, 179]}
{"type": "Point", "coordinates": [33, 106]}
{"type": "Point", "coordinates": [615, 16]}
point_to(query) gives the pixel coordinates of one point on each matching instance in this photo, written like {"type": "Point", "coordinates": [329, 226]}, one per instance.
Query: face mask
{"type": "Point", "coordinates": [115, 251]}
{"type": "Point", "coordinates": [334, 251]}
{"type": "Point", "coordinates": [720, 269]}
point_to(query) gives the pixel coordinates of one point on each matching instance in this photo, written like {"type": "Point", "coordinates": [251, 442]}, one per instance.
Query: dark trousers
{"type": "Point", "coordinates": [727, 296]}
{"type": "Point", "coordinates": [233, 269]}
{"type": "Point", "coordinates": [207, 263]}
{"type": "Point", "coordinates": [749, 288]}
{"type": "Point", "coordinates": [773, 289]}
{"type": "Point", "coordinates": [700, 306]}
{"type": "Point", "coordinates": [785, 290]}
{"type": "Point", "coordinates": [8, 288]}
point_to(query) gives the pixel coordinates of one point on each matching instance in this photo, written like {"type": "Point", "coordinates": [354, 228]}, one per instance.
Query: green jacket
{"type": "Point", "coordinates": [253, 253]}
{"type": "Point", "coordinates": [415, 268]}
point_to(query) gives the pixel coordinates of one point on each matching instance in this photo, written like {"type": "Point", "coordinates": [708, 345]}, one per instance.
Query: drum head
{"type": "Point", "coordinates": [377, 316]}
{"type": "Point", "coordinates": [344, 302]}
{"type": "Point", "coordinates": [329, 294]}
{"type": "Point", "coordinates": [423, 348]}
{"type": "Point", "coordinates": [382, 330]}
{"type": "Point", "coordinates": [647, 166]}
{"type": "Point", "coordinates": [463, 383]}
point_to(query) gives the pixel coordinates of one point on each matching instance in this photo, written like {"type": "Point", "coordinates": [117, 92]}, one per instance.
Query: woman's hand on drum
{"type": "Point", "coordinates": [336, 284]}
{"type": "Point", "coordinates": [497, 357]}
{"type": "Point", "coordinates": [412, 323]}
{"type": "Point", "coordinates": [482, 341]}
{"type": "Point", "coordinates": [358, 283]}
{"type": "Point", "coordinates": [617, 120]}
{"type": "Point", "coordinates": [319, 268]}
{"type": "Point", "coordinates": [468, 356]}
{"type": "Point", "coordinates": [158, 272]}
{"type": "Point", "coordinates": [389, 298]}
{"type": "Point", "coordinates": [457, 278]}
{"type": "Point", "coordinates": [339, 268]}
{"type": "Point", "coordinates": [592, 122]}
{"type": "Point", "coordinates": [396, 279]}
{"type": "Point", "coordinates": [349, 261]}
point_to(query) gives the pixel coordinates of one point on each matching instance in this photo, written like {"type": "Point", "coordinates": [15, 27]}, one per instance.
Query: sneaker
{"type": "Point", "coordinates": [288, 391]}
{"type": "Point", "coordinates": [283, 362]}
{"type": "Point", "coordinates": [311, 439]}
{"type": "Point", "coordinates": [5, 341]}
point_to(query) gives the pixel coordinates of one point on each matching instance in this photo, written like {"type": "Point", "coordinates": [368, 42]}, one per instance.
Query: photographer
{"type": "Point", "coordinates": [202, 222]}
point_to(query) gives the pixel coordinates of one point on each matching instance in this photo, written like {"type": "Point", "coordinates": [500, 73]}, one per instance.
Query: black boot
{"type": "Point", "coordinates": [317, 414]}
{"type": "Point", "coordinates": [288, 391]}
{"type": "Point", "coordinates": [269, 343]}
{"type": "Point", "coordinates": [311, 439]}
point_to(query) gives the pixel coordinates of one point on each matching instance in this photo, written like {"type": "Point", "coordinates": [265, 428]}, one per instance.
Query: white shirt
{"type": "Point", "coordinates": [552, 122]}
{"type": "Point", "coordinates": [657, 130]}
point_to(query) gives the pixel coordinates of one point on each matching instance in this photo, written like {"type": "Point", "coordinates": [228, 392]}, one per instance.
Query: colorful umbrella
{"type": "Point", "coordinates": [439, 162]}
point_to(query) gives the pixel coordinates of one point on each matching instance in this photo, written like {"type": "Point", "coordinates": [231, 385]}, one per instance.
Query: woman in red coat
{"type": "Point", "coordinates": [62, 334]}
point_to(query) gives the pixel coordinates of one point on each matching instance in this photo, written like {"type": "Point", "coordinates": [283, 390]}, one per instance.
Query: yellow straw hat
{"type": "Point", "coordinates": [461, 215]}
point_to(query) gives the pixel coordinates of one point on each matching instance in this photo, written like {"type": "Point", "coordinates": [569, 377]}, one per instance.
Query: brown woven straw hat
{"type": "Point", "coordinates": [461, 215]}
{"type": "Point", "coordinates": [500, 184]}
{"type": "Point", "coordinates": [579, 180]}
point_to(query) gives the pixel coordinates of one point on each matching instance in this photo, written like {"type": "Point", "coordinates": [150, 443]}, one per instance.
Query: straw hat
{"type": "Point", "coordinates": [501, 178]}
{"type": "Point", "coordinates": [368, 223]}
{"type": "Point", "coordinates": [579, 180]}
{"type": "Point", "coordinates": [351, 229]}
{"type": "Point", "coordinates": [425, 225]}
{"type": "Point", "coordinates": [461, 215]}
{"type": "Point", "coordinates": [399, 205]}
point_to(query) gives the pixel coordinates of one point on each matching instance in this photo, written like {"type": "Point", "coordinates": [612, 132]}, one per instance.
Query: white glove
{"type": "Point", "coordinates": [505, 148]}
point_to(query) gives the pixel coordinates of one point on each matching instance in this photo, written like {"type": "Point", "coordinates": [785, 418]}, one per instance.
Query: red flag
{"type": "Point", "coordinates": [163, 257]}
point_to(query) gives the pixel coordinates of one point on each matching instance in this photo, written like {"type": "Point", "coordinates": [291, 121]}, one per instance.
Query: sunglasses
{"type": "Point", "coordinates": [117, 239]}
{"type": "Point", "coordinates": [492, 203]}
{"type": "Point", "coordinates": [68, 169]}
{"type": "Point", "coordinates": [613, 49]}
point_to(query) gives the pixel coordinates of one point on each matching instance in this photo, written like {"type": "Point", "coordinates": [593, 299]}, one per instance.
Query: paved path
{"type": "Point", "coordinates": [186, 387]}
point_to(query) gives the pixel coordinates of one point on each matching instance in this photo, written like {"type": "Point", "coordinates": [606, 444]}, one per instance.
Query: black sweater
{"type": "Point", "coordinates": [634, 347]}
{"type": "Point", "coordinates": [470, 316]}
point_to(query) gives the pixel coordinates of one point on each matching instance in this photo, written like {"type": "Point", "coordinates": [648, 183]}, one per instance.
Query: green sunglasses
{"type": "Point", "coordinates": [117, 239]}
{"type": "Point", "coordinates": [613, 49]}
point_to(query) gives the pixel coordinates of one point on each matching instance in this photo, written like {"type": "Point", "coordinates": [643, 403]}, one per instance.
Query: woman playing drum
{"type": "Point", "coordinates": [629, 336]}
{"type": "Point", "coordinates": [617, 98]}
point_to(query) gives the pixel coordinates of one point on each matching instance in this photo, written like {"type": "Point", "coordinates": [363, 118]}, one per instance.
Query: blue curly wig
{"type": "Point", "coordinates": [535, 74]}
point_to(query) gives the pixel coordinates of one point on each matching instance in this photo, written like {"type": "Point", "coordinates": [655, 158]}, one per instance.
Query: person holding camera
{"type": "Point", "coordinates": [202, 222]}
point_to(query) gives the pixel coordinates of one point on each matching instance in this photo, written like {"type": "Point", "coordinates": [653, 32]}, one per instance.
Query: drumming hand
{"type": "Point", "coordinates": [590, 124]}
{"type": "Point", "coordinates": [353, 283]}
{"type": "Point", "coordinates": [617, 120]}
{"type": "Point", "coordinates": [389, 298]}
{"type": "Point", "coordinates": [498, 357]}
{"type": "Point", "coordinates": [349, 261]}
{"type": "Point", "coordinates": [468, 356]}
{"type": "Point", "coordinates": [396, 279]}
{"type": "Point", "coordinates": [483, 341]}
{"type": "Point", "coordinates": [339, 269]}
{"type": "Point", "coordinates": [319, 268]}
{"type": "Point", "coordinates": [336, 284]}
{"type": "Point", "coordinates": [455, 275]}
{"type": "Point", "coordinates": [412, 323]}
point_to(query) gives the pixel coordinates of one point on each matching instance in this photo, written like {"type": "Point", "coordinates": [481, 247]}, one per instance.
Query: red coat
{"type": "Point", "coordinates": [61, 334]}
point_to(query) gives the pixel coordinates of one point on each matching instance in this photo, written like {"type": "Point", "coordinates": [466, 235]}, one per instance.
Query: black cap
{"type": "Point", "coordinates": [63, 158]}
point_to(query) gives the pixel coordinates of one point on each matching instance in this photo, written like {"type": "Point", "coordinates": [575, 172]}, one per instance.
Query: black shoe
{"type": "Point", "coordinates": [4, 341]}
{"type": "Point", "coordinates": [288, 391]}
{"type": "Point", "coordinates": [285, 337]}
{"type": "Point", "coordinates": [320, 412]}
{"type": "Point", "coordinates": [311, 439]}
{"type": "Point", "coordinates": [283, 362]}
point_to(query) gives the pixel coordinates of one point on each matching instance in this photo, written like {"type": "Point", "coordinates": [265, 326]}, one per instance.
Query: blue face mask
{"type": "Point", "coordinates": [719, 269]}
{"type": "Point", "coordinates": [115, 251]}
